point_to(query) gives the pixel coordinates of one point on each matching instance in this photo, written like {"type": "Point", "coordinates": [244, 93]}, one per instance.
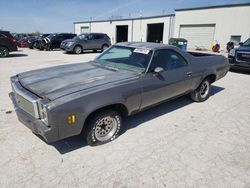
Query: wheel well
{"type": "Point", "coordinates": [105, 45]}
{"type": "Point", "coordinates": [78, 45]}
{"type": "Point", "coordinates": [122, 109]}
{"type": "Point", "coordinates": [211, 77]}
{"type": "Point", "coordinates": [4, 46]}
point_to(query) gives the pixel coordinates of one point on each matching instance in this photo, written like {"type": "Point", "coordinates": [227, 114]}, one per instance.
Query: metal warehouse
{"type": "Point", "coordinates": [200, 26]}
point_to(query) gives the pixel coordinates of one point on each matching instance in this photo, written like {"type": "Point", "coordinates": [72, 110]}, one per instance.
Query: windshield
{"type": "Point", "coordinates": [126, 58]}
{"type": "Point", "coordinates": [247, 42]}
{"type": "Point", "coordinates": [79, 37]}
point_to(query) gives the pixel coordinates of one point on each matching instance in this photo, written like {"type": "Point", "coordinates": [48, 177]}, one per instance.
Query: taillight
{"type": "Point", "coordinates": [13, 40]}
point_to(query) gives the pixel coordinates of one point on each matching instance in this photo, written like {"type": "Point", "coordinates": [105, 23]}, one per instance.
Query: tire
{"type": "Point", "coordinates": [94, 51]}
{"type": "Point", "coordinates": [202, 93]}
{"type": "Point", "coordinates": [103, 127]}
{"type": "Point", "coordinates": [104, 47]}
{"type": "Point", "coordinates": [4, 52]}
{"type": "Point", "coordinates": [77, 50]}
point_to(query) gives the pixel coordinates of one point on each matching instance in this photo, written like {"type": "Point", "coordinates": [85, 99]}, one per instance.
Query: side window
{"type": "Point", "coordinates": [167, 59]}
{"type": "Point", "coordinates": [90, 37]}
{"type": "Point", "coordinates": [98, 36]}
{"type": "Point", "coordinates": [2, 36]}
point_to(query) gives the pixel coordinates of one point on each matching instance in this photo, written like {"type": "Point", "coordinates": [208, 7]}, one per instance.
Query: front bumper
{"type": "Point", "coordinates": [67, 48]}
{"type": "Point", "coordinates": [240, 65]}
{"type": "Point", "coordinates": [35, 125]}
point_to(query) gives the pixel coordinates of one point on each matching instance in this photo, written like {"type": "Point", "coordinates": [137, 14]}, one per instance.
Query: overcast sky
{"type": "Point", "coordinates": [59, 15]}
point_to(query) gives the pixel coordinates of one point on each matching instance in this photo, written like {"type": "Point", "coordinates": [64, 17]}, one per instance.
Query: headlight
{"type": "Point", "coordinates": [232, 52]}
{"type": "Point", "coordinates": [43, 113]}
{"type": "Point", "coordinates": [69, 43]}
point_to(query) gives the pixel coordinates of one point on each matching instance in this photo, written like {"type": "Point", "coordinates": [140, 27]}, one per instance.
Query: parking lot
{"type": "Point", "coordinates": [176, 144]}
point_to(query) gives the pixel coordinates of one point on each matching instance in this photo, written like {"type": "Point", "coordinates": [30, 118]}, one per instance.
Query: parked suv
{"type": "Point", "coordinates": [240, 57]}
{"type": "Point", "coordinates": [7, 43]}
{"type": "Point", "coordinates": [86, 41]}
{"type": "Point", "coordinates": [54, 40]}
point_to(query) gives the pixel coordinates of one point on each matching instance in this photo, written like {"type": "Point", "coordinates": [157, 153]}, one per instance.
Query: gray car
{"type": "Point", "coordinates": [93, 98]}
{"type": "Point", "coordinates": [86, 41]}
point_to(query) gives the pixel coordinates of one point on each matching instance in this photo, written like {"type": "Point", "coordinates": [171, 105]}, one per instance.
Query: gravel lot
{"type": "Point", "coordinates": [176, 144]}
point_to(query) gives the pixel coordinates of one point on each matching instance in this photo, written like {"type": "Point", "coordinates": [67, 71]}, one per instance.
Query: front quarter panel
{"type": "Point", "coordinates": [83, 103]}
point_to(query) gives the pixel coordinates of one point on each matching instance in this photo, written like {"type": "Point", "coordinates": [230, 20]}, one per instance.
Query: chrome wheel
{"type": "Point", "coordinates": [104, 47]}
{"type": "Point", "coordinates": [204, 90]}
{"type": "Point", "coordinates": [105, 128]}
{"type": "Point", "coordinates": [78, 50]}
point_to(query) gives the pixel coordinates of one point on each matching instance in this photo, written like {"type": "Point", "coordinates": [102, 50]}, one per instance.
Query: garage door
{"type": "Point", "coordinates": [198, 36]}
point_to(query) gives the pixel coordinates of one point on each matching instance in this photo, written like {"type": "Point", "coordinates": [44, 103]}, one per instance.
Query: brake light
{"type": "Point", "coordinates": [13, 40]}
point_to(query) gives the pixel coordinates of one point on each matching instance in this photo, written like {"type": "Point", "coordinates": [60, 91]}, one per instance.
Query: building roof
{"type": "Point", "coordinates": [166, 15]}
{"type": "Point", "coordinates": [216, 6]}
{"type": "Point", "coordinates": [125, 19]}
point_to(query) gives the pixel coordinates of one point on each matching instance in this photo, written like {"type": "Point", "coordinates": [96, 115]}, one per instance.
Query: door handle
{"type": "Point", "coordinates": [189, 74]}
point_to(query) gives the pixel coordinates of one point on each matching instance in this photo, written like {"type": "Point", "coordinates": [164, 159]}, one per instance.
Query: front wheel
{"type": "Point", "coordinates": [103, 127]}
{"type": "Point", "coordinates": [77, 50]}
{"type": "Point", "coordinates": [4, 52]}
{"type": "Point", "coordinates": [202, 93]}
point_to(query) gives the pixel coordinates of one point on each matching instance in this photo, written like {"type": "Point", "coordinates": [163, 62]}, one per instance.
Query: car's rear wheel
{"type": "Point", "coordinates": [104, 47]}
{"type": "Point", "coordinates": [202, 93]}
{"type": "Point", "coordinates": [4, 52]}
{"type": "Point", "coordinates": [103, 127]}
{"type": "Point", "coordinates": [77, 50]}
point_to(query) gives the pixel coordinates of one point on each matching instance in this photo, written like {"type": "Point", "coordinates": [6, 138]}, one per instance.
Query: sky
{"type": "Point", "coordinates": [48, 16]}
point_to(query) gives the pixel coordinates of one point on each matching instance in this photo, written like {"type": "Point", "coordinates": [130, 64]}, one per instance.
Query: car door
{"type": "Point", "coordinates": [174, 80]}
{"type": "Point", "coordinates": [89, 42]}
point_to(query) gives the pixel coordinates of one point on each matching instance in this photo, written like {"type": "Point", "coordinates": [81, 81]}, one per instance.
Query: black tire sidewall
{"type": "Point", "coordinates": [103, 47]}
{"type": "Point", "coordinates": [90, 131]}
{"type": "Point", "coordinates": [7, 54]}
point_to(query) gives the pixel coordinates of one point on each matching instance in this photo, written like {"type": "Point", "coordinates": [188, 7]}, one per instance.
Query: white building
{"type": "Point", "coordinates": [200, 26]}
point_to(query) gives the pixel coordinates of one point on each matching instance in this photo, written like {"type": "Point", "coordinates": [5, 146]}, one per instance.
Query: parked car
{"type": "Point", "coordinates": [54, 40]}
{"type": "Point", "coordinates": [93, 98]}
{"type": "Point", "coordinates": [19, 36]}
{"type": "Point", "coordinates": [86, 41]}
{"type": "Point", "coordinates": [23, 43]}
{"type": "Point", "coordinates": [38, 43]}
{"type": "Point", "coordinates": [239, 58]}
{"type": "Point", "coordinates": [7, 43]}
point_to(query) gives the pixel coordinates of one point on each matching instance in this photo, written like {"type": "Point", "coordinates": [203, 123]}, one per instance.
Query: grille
{"type": "Point", "coordinates": [243, 56]}
{"type": "Point", "coordinates": [25, 101]}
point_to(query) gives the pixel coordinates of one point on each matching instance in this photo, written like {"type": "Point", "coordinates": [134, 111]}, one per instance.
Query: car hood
{"type": "Point", "coordinates": [244, 48]}
{"type": "Point", "coordinates": [56, 82]}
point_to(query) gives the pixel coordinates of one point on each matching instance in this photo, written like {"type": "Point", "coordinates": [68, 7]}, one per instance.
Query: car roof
{"type": "Point", "coordinates": [93, 33]}
{"type": "Point", "coordinates": [147, 45]}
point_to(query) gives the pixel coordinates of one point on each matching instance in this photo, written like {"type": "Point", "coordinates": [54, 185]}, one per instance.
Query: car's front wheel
{"type": "Point", "coordinates": [4, 52]}
{"type": "Point", "coordinates": [103, 127]}
{"type": "Point", "coordinates": [202, 93]}
{"type": "Point", "coordinates": [104, 47]}
{"type": "Point", "coordinates": [77, 50]}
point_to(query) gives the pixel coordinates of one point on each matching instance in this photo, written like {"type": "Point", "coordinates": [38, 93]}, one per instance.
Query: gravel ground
{"type": "Point", "coordinates": [176, 144]}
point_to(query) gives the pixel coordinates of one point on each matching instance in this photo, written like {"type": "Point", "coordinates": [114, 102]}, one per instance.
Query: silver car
{"type": "Point", "coordinates": [86, 41]}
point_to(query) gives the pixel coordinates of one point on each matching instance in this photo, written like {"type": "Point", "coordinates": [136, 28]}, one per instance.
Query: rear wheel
{"type": "Point", "coordinates": [4, 52]}
{"type": "Point", "coordinates": [103, 127]}
{"type": "Point", "coordinates": [104, 47]}
{"type": "Point", "coordinates": [202, 93]}
{"type": "Point", "coordinates": [77, 50]}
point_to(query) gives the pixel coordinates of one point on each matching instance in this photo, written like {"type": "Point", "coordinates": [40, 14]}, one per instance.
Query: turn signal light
{"type": "Point", "coordinates": [71, 119]}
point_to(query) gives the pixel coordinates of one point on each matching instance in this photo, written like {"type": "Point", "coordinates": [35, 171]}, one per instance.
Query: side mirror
{"type": "Point", "coordinates": [241, 43]}
{"type": "Point", "coordinates": [158, 70]}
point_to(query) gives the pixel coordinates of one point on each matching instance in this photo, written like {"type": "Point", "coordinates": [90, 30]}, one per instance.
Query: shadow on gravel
{"type": "Point", "coordinates": [76, 142]}
{"type": "Point", "coordinates": [17, 55]}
